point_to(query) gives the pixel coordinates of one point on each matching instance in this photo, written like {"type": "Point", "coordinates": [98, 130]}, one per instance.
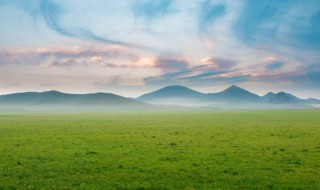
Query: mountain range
{"type": "Point", "coordinates": [55, 100]}
{"type": "Point", "coordinates": [177, 96]}
{"type": "Point", "coordinates": [232, 97]}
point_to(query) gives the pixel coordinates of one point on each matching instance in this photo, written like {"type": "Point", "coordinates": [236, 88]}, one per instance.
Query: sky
{"type": "Point", "coordinates": [131, 47]}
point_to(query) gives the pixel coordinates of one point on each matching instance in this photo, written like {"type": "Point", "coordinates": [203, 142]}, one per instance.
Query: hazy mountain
{"type": "Point", "coordinates": [175, 95]}
{"type": "Point", "coordinates": [268, 96]}
{"type": "Point", "coordinates": [312, 101]}
{"type": "Point", "coordinates": [235, 94]}
{"type": "Point", "coordinates": [55, 99]}
{"type": "Point", "coordinates": [233, 97]}
{"type": "Point", "coordinates": [284, 98]}
{"type": "Point", "coordinates": [185, 96]}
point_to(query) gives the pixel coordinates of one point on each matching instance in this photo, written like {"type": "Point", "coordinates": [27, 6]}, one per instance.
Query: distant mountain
{"type": "Point", "coordinates": [174, 95]}
{"type": "Point", "coordinates": [268, 96]}
{"type": "Point", "coordinates": [59, 99]}
{"type": "Point", "coordinates": [232, 97]}
{"type": "Point", "coordinates": [284, 98]}
{"type": "Point", "coordinates": [170, 97]}
{"type": "Point", "coordinates": [180, 95]}
{"type": "Point", "coordinates": [235, 94]}
{"type": "Point", "coordinates": [312, 101]}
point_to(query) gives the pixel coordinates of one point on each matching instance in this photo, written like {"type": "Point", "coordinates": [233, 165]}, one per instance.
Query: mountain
{"type": "Point", "coordinates": [181, 95]}
{"type": "Point", "coordinates": [312, 101]}
{"type": "Point", "coordinates": [268, 96]}
{"type": "Point", "coordinates": [235, 94]}
{"type": "Point", "coordinates": [170, 97]}
{"type": "Point", "coordinates": [233, 97]}
{"type": "Point", "coordinates": [284, 98]}
{"type": "Point", "coordinates": [173, 95]}
{"type": "Point", "coordinates": [51, 99]}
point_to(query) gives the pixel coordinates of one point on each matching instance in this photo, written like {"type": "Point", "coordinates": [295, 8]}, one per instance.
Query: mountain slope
{"type": "Point", "coordinates": [230, 98]}
{"type": "Point", "coordinates": [284, 98]}
{"type": "Point", "coordinates": [235, 94]}
{"type": "Point", "coordinates": [268, 96]}
{"type": "Point", "coordinates": [178, 95]}
{"type": "Point", "coordinates": [312, 101]}
{"type": "Point", "coordinates": [62, 99]}
{"type": "Point", "coordinates": [233, 97]}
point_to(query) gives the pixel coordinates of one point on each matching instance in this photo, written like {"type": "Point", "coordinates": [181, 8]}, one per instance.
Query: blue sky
{"type": "Point", "coordinates": [131, 47]}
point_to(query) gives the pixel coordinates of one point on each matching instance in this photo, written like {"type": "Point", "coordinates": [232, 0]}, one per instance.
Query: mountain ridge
{"type": "Point", "coordinates": [232, 95]}
{"type": "Point", "coordinates": [177, 95]}
{"type": "Point", "coordinates": [53, 97]}
{"type": "Point", "coordinates": [235, 94]}
{"type": "Point", "coordinates": [171, 94]}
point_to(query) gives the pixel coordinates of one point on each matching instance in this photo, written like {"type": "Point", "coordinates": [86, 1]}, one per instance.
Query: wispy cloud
{"type": "Point", "coordinates": [307, 77]}
{"type": "Point", "coordinates": [202, 42]}
{"type": "Point", "coordinates": [151, 9]}
{"type": "Point", "coordinates": [52, 13]}
{"type": "Point", "coordinates": [98, 55]}
{"type": "Point", "coordinates": [220, 63]}
{"type": "Point", "coordinates": [212, 70]}
{"type": "Point", "coordinates": [209, 12]}
{"type": "Point", "coordinates": [119, 81]}
{"type": "Point", "coordinates": [275, 65]}
{"type": "Point", "coordinates": [171, 64]}
{"type": "Point", "coordinates": [265, 22]}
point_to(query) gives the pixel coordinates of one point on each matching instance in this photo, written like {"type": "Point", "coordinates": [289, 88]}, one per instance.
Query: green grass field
{"type": "Point", "coordinates": [274, 149]}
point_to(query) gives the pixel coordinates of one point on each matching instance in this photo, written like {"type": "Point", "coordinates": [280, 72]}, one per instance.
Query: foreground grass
{"type": "Point", "coordinates": [165, 150]}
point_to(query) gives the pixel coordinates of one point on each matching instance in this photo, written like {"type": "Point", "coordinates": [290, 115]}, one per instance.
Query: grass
{"type": "Point", "coordinates": [274, 149]}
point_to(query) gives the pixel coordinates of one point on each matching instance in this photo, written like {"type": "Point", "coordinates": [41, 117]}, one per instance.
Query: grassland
{"type": "Point", "coordinates": [275, 149]}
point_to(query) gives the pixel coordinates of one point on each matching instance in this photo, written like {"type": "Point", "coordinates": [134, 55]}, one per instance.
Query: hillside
{"type": "Point", "coordinates": [233, 97]}
{"type": "Point", "coordinates": [235, 94]}
{"type": "Point", "coordinates": [55, 99]}
{"type": "Point", "coordinates": [174, 95]}
{"type": "Point", "coordinates": [170, 97]}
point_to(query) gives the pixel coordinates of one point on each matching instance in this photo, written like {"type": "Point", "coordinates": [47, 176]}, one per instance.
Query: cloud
{"type": "Point", "coordinates": [120, 81]}
{"type": "Point", "coordinates": [306, 77]}
{"type": "Point", "coordinates": [53, 15]}
{"type": "Point", "coordinates": [49, 84]}
{"type": "Point", "coordinates": [209, 12]}
{"type": "Point", "coordinates": [10, 85]}
{"type": "Point", "coordinates": [275, 65]}
{"type": "Point", "coordinates": [171, 64]}
{"type": "Point", "coordinates": [203, 79]}
{"type": "Point", "coordinates": [220, 63]}
{"type": "Point", "coordinates": [31, 7]}
{"type": "Point", "coordinates": [97, 55]}
{"type": "Point", "coordinates": [309, 77]}
{"type": "Point", "coordinates": [151, 9]}
{"type": "Point", "coordinates": [210, 71]}
{"type": "Point", "coordinates": [232, 37]}
{"type": "Point", "coordinates": [284, 23]}
{"type": "Point", "coordinates": [83, 20]}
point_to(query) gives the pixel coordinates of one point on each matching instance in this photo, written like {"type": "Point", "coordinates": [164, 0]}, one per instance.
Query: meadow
{"type": "Point", "coordinates": [243, 149]}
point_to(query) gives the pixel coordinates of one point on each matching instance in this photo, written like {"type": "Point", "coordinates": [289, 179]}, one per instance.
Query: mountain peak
{"type": "Point", "coordinates": [171, 92]}
{"type": "Point", "coordinates": [270, 94]}
{"type": "Point", "coordinates": [175, 90]}
{"type": "Point", "coordinates": [176, 87]}
{"type": "Point", "coordinates": [283, 97]}
{"type": "Point", "coordinates": [236, 93]}
{"type": "Point", "coordinates": [234, 88]}
{"type": "Point", "coordinates": [281, 93]}
{"type": "Point", "coordinates": [52, 92]}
